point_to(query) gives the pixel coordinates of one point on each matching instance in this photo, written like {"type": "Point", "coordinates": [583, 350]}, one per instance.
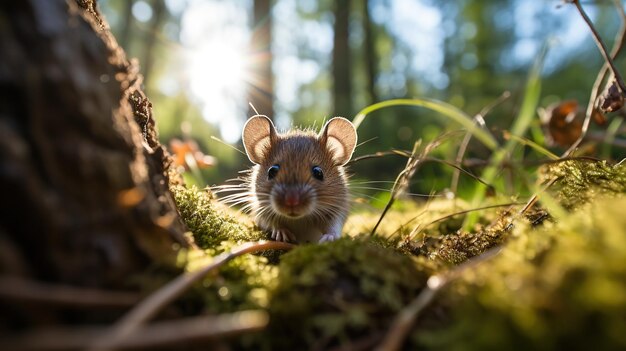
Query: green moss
{"type": "Point", "coordinates": [210, 226]}
{"type": "Point", "coordinates": [581, 181]}
{"type": "Point", "coordinates": [557, 286]}
{"type": "Point", "coordinates": [560, 287]}
{"type": "Point", "coordinates": [458, 248]}
{"type": "Point", "coordinates": [242, 283]}
{"type": "Point", "coordinates": [344, 290]}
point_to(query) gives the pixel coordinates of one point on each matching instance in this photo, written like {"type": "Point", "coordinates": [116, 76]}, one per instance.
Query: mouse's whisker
{"type": "Point", "coordinates": [222, 191]}
{"type": "Point", "coordinates": [369, 188]}
{"type": "Point", "coordinates": [247, 208]}
{"type": "Point", "coordinates": [240, 191]}
{"type": "Point", "coordinates": [363, 195]}
{"type": "Point", "coordinates": [239, 197]}
{"type": "Point", "coordinates": [237, 203]}
{"type": "Point", "coordinates": [228, 187]}
{"type": "Point", "coordinates": [372, 182]}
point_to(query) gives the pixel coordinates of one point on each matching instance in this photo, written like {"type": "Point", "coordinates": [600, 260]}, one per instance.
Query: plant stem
{"type": "Point", "coordinates": [601, 46]}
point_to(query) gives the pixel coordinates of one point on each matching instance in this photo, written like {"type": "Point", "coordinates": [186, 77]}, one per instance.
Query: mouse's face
{"type": "Point", "coordinates": [300, 173]}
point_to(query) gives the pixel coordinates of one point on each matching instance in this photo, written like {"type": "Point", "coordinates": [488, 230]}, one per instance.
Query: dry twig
{"type": "Point", "coordinates": [620, 39]}
{"type": "Point", "coordinates": [160, 334]}
{"type": "Point", "coordinates": [150, 306]}
{"type": "Point", "coordinates": [20, 289]}
{"type": "Point", "coordinates": [405, 320]}
{"type": "Point", "coordinates": [480, 120]}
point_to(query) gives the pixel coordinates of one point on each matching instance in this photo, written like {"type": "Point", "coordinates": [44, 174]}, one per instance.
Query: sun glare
{"type": "Point", "coordinates": [216, 39]}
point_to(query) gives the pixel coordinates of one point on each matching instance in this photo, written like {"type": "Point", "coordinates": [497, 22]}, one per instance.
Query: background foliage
{"type": "Point", "coordinates": [466, 53]}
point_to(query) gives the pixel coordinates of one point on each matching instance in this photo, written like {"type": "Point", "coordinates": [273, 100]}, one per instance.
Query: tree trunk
{"type": "Point", "coordinates": [261, 84]}
{"type": "Point", "coordinates": [84, 180]}
{"type": "Point", "coordinates": [342, 74]}
{"type": "Point", "coordinates": [160, 14]}
{"type": "Point", "coordinates": [127, 24]}
{"type": "Point", "coordinates": [371, 57]}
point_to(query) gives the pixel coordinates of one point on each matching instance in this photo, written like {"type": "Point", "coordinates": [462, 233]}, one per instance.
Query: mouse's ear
{"type": "Point", "coordinates": [257, 136]}
{"type": "Point", "coordinates": [339, 136]}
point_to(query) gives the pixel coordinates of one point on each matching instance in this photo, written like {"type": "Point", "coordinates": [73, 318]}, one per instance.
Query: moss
{"type": "Point", "coordinates": [344, 290]}
{"type": "Point", "coordinates": [560, 287]}
{"type": "Point", "coordinates": [209, 224]}
{"type": "Point", "coordinates": [555, 286]}
{"type": "Point", "coordinates": [581, 181]}
{"type": "Point", "coordinates": [456, 249]}
{"type": "Point", "coordinates": [242, 283]}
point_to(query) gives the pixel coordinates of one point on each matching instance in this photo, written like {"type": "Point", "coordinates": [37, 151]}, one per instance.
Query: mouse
{"type": "Point", "coordinates": [298, 185]}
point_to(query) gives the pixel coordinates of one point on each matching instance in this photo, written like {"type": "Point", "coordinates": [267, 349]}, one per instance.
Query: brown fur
{"type": "Point", "coordinates": [324, 203]}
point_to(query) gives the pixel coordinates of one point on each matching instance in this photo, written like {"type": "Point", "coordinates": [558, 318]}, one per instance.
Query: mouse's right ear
{"type": "Point", "coordinates": [257, 136]}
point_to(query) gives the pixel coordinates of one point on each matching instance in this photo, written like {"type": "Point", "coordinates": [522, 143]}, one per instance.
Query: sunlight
{"type": "Point", "coordinates": [216, 72]}
{"type": "Point", "coordinates": [216, 39]}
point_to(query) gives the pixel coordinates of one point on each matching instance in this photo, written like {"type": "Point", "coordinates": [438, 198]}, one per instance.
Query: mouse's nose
{"type": "Point", "coordinates": [292, 198]}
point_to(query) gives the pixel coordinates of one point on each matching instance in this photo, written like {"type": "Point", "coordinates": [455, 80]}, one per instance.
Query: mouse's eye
{"type": "Point", "coordinates": [317, 173]}
{"type": "Point", "coordinates": [272, 171]}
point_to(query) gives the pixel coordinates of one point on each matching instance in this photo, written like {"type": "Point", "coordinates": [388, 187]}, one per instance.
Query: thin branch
{"type": "Point", "coordinates": [150, 306]}
{"type": "Point", "coordinates": [426, 159]}
{"type": "Point", "coordinates": [603, 50]}
{"type": "Point", "coordinates": [405, 320]}
{"type": "Point", "coordinates": [620, 39]}
{"type": "Point", "coordinates": [534, 198]}
{"type": "Point", "coordinates": [449, 216]}
{"type": "Point", "coordinates": [459, 169]}
{"type": "Point", "coordinates": [20, 289]}
{"type": "Point", "coordinates": [472, 210]}
{"type": "Point", "coordinates": [480, 163]}
{"type": "Point", "coordinates": [160, 334]}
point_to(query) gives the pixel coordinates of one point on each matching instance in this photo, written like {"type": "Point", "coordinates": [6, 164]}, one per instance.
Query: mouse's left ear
{"type": "Point", "coordinates": [339, 136]}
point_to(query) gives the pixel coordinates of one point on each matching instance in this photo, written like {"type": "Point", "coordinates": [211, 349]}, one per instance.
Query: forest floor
{"type": "Point", "coordinates": [553, 277]}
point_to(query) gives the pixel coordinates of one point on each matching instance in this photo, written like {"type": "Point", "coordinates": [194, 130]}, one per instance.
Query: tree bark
{"type": "Point", "coordinates": [342, 74]}
{"type": "Point", "coordinates": [261, 84]}
{"type": "Point", "coordinates": [84, 180]}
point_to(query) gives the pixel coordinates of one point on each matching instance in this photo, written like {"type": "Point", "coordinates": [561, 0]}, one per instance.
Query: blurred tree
{"type": "Point", "coordinates": [261, 91]}
{"type": "Point", "coordinates": [342, 60]}
{"type": "Point", "coordinates": [474, 51]}
{"type": "Point", "coordinates": [128, 19]}
{"type": "Point", "coordinates": [371, 56]}
{"type": "Point", "coordinates": [154, 32]}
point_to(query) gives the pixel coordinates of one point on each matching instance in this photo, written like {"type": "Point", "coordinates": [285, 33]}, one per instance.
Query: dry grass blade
{"type": "Point", "coordinates": [150, 306]}
{"type": "Point", "coordinates": [374, 155]}
{"type": "Point", "coordinates": [443, 218]}
{"type": "Point", "coordinates": [407, 154]}
{"type": "Point", "coordinates": [403, 179]}
{"type": "Point", "coordinates": [461, 170]}
{"type": "Point", "coordinates": [160, 334]}
{"type": "Point", "coordinates": [405, 320]}
{"type": "Point", "coordinates": [479, 119]}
